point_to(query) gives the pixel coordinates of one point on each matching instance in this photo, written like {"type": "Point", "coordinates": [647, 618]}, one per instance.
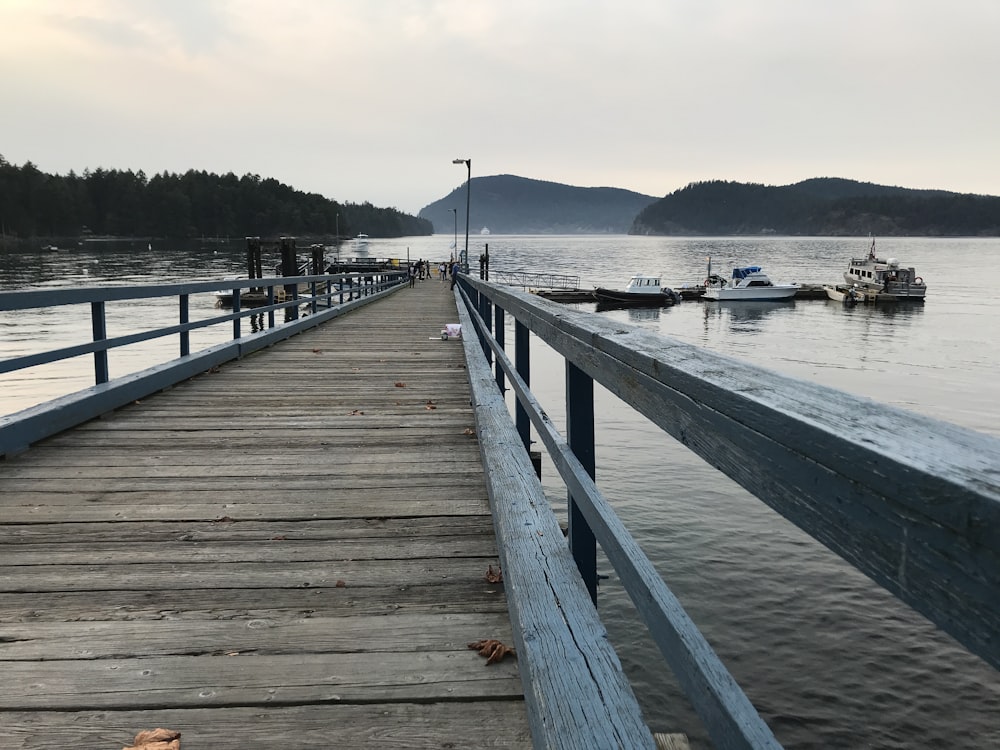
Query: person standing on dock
{"type": "Point", "coordinates": [412, 273]}
{"type": "Point", "coordinates": [454, 273]}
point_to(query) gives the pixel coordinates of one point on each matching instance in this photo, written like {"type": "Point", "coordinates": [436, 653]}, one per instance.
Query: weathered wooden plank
{"type": "Point", "coordinates": [255, 505]}
{"type": "Point", "coordinates": [386, 474]}
{"type": "Point", "coordinates": [253, 680]}
{"type": "Point", "coordinates": [399, 631]}
{"type": "Point", "coordinates": [277, 548]}
{"type": "Point", "coordinates": [469, 596]}
{"type": "Point", "coordinates": [248, 575]}
{"type": "Point", "coordinates": [325, 488]}
{"type": "Point", "coordinates": [329, 726]}
{"type": "Point", "coordinates": [387, 529]}
{"type": "Point", "coordinates": [293, 459]}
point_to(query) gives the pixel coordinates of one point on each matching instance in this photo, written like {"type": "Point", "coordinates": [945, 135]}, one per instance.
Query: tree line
{"type": "Point", "coordinates": [820, 206]}
{"type": "Point", "coordinates": [123, 203]}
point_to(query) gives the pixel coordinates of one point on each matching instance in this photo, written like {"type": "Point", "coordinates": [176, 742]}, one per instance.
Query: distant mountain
{"type": "Point", "coordinates": [821, 206]}
{"type": "Point", "coordinates": [506, 204]}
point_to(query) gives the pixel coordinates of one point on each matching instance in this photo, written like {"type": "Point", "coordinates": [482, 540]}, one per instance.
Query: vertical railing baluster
{"type": "Point", "coordinates": [522, 363]}
{"type": "Point", "coordinates": [580, 436]}
{"type": "Point", "coordinates": [185, 316]}
{"type": "Point", "coordinates": [270, 304]}
{"type": "Point", "coordinates": [236, 313]}
{"type": "Point", "coordinates": [498, 327]}
{"type": "Point", "coordinates": [100, 327]}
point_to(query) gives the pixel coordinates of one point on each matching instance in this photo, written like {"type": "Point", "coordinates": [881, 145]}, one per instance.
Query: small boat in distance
{"type": "Point", "coordinates": [887, 279]}
{"type": "Point", "coordinates": [642, 290]}
{"type": "Point", "coordinates": [846, 293]}
{"type": "Point", "coordinates": [748, 283]}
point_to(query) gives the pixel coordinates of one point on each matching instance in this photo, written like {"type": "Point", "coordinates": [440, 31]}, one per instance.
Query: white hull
{"type": "Point", "coordinates": [730, 293]}
{"type": "Point", "coordinates": [843, 293]}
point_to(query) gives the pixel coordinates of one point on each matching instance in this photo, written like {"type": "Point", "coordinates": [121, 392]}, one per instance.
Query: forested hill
{"type": "Point", "coordinates": [821, 206]}
{"type": "Point", "coordinates": [506, 204]}
{"type": "Point", "coordinates": [193, 204]}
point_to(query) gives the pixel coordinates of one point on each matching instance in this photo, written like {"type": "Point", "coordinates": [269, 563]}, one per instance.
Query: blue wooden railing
{"type": "Point", "coordinates": [914, 503]}
{"type": "Point", "coordinates": [328, 297]}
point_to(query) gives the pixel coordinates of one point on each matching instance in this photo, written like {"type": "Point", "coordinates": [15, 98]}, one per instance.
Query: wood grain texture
{"type": "Point", "coordinates": [912, 502]}
{"type": "Point", "coordinates": [293, 544]}
{"type": "Point", "coordinates": [577, 693]}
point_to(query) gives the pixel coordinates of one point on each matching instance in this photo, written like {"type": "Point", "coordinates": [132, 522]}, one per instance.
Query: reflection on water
{"type": "Point", "coordinates": [643, 314]}
{"type": "Point", "coordinates": [744, 316]}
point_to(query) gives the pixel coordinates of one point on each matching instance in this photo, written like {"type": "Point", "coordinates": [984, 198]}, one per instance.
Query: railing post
{"type": "Point", "coordinates": [290, 267]}
{"type": "Point", "coordinates": [580, 436]}
{"type": "Point", "coordinates": [270, 303]}
{"type": "Point", "coordinates": [498, 328]}
{"type": "Point", "coordinates": [185, 317]}
{"type": "Point", "coordinates": [100, 334]}
{"type": "Point", "coordinates": [522, 363]}
{"type": "Point", "coordinates": [236, 313]}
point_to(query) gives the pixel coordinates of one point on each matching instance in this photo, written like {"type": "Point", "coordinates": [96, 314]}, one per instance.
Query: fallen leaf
{"type": "Point", "coordinates": [317, 351]}
{"type": "Point", "coordinates": [429, 407]}
{"type": "Point", "coordinates": [468, 431]}
{"type": "Point", "coordinates": [156, 739]}
{"type": "Point", "coordinates": [340, 584]}
{"type": "Point", "coordinates": [400, 384]}
{"type": "Point", "coordinates": [493, 650]}
{"type": "Point", "coordinates": [224, 519]}
{"type": "Point", "coordinates": [494, 576]}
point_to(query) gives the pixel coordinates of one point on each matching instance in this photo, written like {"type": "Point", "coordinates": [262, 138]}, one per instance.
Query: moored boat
{"type": "Point", "coordinates": [642, 290]}
{"type": "Point", "coordinates": [886, 278]}
{"type": "Point", "coordinates": [747, 283]}
{"type": "Point", "coordinates": [846, 293]}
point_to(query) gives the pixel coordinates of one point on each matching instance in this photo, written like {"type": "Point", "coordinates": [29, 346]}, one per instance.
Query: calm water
{"type": "Point", "coordinates": [829, 659]}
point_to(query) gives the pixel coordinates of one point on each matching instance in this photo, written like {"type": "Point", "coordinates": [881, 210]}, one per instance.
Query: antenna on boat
{"type": "Point", "coordinates": [871, 251]}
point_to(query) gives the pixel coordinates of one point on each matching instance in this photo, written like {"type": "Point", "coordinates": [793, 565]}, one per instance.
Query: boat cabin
{"type": "Point", "coordinates": [640, 284]}
{"type": "Point", "coordinates": [879, 271]}
{"type": "Point", "coordinates": [750, 276]}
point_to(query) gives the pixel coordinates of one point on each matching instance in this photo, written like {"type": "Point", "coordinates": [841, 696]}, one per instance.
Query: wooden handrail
{"type": "Point", "coordinates": [931, 536]}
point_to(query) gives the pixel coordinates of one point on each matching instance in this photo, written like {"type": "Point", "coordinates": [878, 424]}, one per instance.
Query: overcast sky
{"type": "Point", "coordinates": [370, 100]}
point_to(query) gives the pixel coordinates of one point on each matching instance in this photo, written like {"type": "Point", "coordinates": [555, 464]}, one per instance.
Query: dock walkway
{"type": "Point", "coordinates": [286, 552]}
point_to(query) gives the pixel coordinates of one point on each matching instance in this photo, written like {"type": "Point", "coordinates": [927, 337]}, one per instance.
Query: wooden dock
{"type": "Point", "coordinates": [289, 551]}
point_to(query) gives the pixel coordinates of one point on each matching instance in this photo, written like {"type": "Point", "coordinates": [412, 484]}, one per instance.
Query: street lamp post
{"type": "Point", "coordinates": [468, 204]}
{"type": "Point", "coordinates": [454, 244]}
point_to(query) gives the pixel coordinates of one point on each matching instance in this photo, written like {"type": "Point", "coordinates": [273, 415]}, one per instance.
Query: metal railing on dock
{"type": "Point", "coordinates": [931, 536]}
{"type": "Point", "coordinates": [534, 279]}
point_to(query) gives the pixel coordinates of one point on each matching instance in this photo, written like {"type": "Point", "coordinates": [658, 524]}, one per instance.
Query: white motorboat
{"type": "Point", "coordinates": [747, 283]}
{"type": "Point", "coordinates": [886, 278]}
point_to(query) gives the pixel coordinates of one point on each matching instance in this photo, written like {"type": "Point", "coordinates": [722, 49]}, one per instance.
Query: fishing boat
{"type": "Point", "coordinates": [747, 283]}
{"type": "Point", "coordinates": [889, 280]}
{"type": "Point", "coordinates": [642, 290]}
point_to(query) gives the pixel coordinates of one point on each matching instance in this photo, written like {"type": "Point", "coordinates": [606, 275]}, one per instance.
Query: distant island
{"type": "Point", "coordinates": [507, 204]}
{"type": "Point", "coordinates": [823, 206]}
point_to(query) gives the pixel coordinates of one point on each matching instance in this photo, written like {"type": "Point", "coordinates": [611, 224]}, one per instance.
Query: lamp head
{"type": "Point", "coordinates": [459, 161]}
